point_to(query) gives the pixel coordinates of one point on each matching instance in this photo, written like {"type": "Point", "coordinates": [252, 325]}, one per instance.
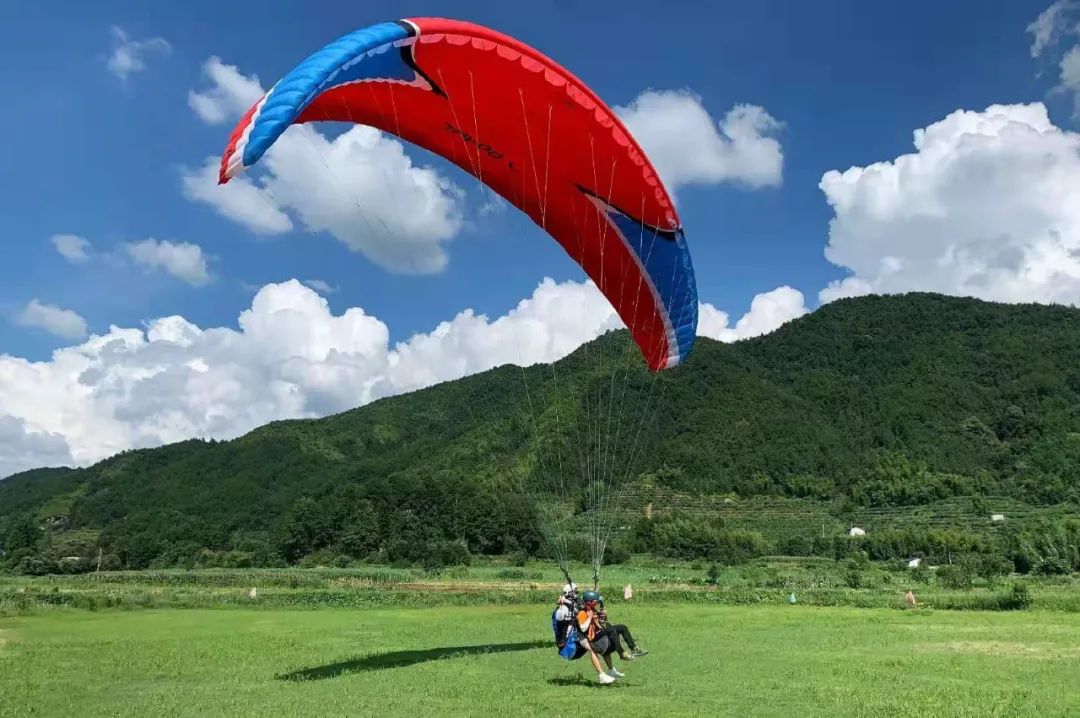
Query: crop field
{"type": "Point", "coordinates": [815, 581]}
{"type": "Point", "coordinates": [474, 660]}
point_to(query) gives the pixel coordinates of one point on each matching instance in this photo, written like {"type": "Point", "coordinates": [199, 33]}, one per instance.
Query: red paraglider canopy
{"type": "Point", "coordinates": [525, 127]}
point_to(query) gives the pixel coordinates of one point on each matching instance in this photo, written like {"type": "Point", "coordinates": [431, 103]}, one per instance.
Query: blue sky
{"type": "Point", "coordinates": [97, 157]}
{"type": "Point", "coordinates": [91, 154]}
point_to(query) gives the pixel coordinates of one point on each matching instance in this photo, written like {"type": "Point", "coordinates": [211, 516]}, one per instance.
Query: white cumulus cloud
{"type": "Point", "coordinates": [768, 312]}
{"type": "Point", "coordinates": [22, 449]}
{"type": "Point", "coordinates": [241, 200]}
{"type": "Point", "coordinates": [290, 356]}
{"type": "Point", "coordinates": [182, 260]}
{"type": "Point", "coordinates": [229, 95]}
{"type": "Point", "coordinates": [688, 146]}
{"type": "Point", "coordinates": [845, 289]}
{"type": "Point", "coordinates": [360, 187]}
{"type": "Point", "coordinates": [988, 205]}
{"type": "Point", "coordinates": [129, 56]}
{"type": "Point", "coordinates": [72, 247]}
{"type": "Point", "coordinates": [55, 320]}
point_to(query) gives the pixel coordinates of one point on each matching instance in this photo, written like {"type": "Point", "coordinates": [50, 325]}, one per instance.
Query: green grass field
{"type": "Point", "coordinates": [498, 660]}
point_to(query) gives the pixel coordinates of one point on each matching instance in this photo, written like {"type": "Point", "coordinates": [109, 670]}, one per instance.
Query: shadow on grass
{"type": "Point", "coordinates": [582, 681]}
{"type": "Point", "coordinates": [400, 659]}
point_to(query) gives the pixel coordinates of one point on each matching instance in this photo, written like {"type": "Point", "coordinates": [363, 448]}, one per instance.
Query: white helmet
{"type": "Point", "coordinates": [569, 589]}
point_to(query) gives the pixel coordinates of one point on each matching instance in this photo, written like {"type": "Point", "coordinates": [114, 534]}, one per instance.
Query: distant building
{"type": "Point", "coordinates": [856, 531]}
{"type": "Point", "coordinates": [914, 563]}
{"type": "Point", "coordinates": [997, 517]}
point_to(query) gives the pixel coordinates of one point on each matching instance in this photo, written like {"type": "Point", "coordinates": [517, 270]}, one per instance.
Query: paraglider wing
{"type": "Point", "coordinates": [526, 128]}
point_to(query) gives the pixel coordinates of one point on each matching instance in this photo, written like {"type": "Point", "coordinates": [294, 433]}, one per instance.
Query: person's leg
{"type": "Point", "coordinates": [602, 645]}
{"type": "Point", "coordinates": [635, 650]}
{"type": "Point", "coordinates": [616, 643]}
{"type": "Point", "coordinates": [596, 662]}
{"type": "Point", "coordinates": [595, 659]}
{"type": "Point", "coordinates": [613, 639]}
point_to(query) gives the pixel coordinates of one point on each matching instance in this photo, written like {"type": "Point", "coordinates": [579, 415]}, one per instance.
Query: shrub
{"type": "Point", "coordinates": [518, 558]}
{"type": "Point", "coordinates": [322, 557]}
{"type": "Point", "coordinates": [1053, 566]}
{"type": "Point", "coordinates": [1019, 597]}
{"type": "Point", "coordinates": [714, 574]}
{"type": "Point", "coordinates": [457, 572]}
{"type": "Point", "coordinates": [859, 561]}
{"type": "Point", "coordinates": [33, 565]}
{"type": "Point", "coordinates": [615, 555]}
{"type": "Point", "coordinates": [992, 568]}
{"type": "Point", "coordinates": [452, 553]}
{"type": "Point", "coordinates": [922, 573]}
{"type": "Point", "coordinates": [958, 575]}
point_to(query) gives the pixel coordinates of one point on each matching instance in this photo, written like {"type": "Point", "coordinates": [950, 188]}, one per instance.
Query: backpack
{"type": "Point", "coordinates": [566, 635]}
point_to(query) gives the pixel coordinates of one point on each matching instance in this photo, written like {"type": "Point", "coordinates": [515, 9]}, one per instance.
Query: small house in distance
{"type": "Point", "coordinates": [997, 518]}
{"type": "Point", "coordinates": [856, 531]}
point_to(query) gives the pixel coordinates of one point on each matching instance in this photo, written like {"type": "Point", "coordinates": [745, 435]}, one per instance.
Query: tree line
{"type": "Point", "coordinates": [875, 402]}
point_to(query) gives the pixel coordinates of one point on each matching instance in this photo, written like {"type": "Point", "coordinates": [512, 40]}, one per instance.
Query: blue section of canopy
{"type": "Point", "coordinates": [666, 259]}
{"type": "Point", "coordinates": [347, 59]}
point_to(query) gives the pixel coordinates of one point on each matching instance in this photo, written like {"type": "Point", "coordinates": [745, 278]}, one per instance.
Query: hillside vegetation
{"type": "Point", "coordinates": [901, 410]}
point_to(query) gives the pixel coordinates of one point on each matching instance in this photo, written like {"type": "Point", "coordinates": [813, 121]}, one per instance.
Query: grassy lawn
{"type": "Point", "coordinates": [783, 661]}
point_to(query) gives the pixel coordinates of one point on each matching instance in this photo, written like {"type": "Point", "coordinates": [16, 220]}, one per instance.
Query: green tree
{"type": "Point", "coordinates": [306, 528]}
{"type": "Point", "coordinates": [359, 536]}
{"type": "Point", "coordinates": [23, 533]}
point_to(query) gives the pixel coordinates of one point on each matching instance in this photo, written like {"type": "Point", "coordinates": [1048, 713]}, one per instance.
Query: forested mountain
{"type": "Point", "coordinates": [870, 402]}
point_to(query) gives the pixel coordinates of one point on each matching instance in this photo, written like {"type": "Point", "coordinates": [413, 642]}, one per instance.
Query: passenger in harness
{"type": "Point", "coordinates": [592, 632]}
{"type": "Point", "coordinates": [619, 633]}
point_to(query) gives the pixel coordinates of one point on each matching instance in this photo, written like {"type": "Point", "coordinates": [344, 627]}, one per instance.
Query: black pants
{"type": "Point", "coordinates": [603, 643]}
{"type": "Point", "coordinates": [620, 630]}
{"type": "Point", "coordinates": [616, 633]}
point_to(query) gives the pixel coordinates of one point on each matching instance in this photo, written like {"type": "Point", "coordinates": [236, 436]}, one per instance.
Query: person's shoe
{"type": "Point", "coordinates": [639, 652]}
{"type": "Point", "coordinates": [605, 678]}
{"type": "Point", "coordinates": [616, 672]}
{"type": "Point", "coordinates": [626, 656]}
